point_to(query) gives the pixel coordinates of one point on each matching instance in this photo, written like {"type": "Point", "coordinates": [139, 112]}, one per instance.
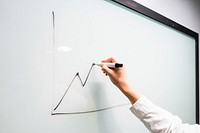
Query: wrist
{"type": "Point", "coordinates": [130, 93]}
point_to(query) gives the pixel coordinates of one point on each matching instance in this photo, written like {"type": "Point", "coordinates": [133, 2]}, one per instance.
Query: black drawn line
{"type": "Point", "coordinates": [90, 111]}
{"type": "Point", "coordinates": [53, 14]}
{"type": "Point", "coordinates": [54, 56]}
{"type": "Point", "coordinates": [82, 83]}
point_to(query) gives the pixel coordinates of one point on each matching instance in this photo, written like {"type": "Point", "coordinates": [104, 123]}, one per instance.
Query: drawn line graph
{"type": "Point", "coordinates": [83, 83]}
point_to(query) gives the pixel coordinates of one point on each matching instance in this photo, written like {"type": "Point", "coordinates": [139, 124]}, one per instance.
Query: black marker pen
{"type": "Point", "coordinates": [110, 65]}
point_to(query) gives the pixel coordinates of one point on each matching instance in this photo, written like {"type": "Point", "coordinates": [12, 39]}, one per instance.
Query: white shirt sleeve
{"type": "Point", "coordinates": [158, 120]}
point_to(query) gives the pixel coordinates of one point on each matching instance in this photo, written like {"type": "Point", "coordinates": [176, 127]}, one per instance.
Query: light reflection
{"type": "Point", "coordinates": [64, 49]}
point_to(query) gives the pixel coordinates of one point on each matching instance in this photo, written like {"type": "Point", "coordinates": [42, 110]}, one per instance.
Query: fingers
{"type": "Point", "coordinates": [109, 60]}
{"type": "Point", "coordinates": [106, 70]}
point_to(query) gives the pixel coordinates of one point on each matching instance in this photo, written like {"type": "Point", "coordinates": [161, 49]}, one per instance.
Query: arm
{"type": "Point", "coordinates": [156, 119]}
{"type": "Point", "coordinates": [119, 78]}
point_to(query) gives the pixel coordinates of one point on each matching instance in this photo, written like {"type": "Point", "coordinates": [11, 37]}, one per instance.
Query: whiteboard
{"type": "Point", "coordinates": [160, 64]}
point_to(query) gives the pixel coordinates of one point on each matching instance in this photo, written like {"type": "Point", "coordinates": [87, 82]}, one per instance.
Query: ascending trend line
{"type": "Point", "coordinates": [77, 74]}
{"type": "Point", "coordinates": [82, 83]}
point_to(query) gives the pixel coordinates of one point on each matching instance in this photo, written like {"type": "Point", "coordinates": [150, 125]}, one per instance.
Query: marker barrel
{"type": "Point", "coordinates": [111, 65]}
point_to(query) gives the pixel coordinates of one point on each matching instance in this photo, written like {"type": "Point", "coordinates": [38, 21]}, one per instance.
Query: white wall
{"type": "Point", "coordinates": [185, 12]}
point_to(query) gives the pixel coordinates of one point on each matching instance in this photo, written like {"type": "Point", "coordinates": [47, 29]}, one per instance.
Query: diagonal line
{"type": "Point", "coordinates": [82, 83]}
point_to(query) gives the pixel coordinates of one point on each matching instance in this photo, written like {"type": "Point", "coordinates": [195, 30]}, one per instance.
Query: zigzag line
{"type": "Point", "coordinates": [82, 83]}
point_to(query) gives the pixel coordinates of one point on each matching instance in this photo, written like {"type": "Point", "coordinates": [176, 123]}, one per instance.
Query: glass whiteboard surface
{"type": "Point", "coordinates": [160, 63]}
{"type": "Point", "coordinates": [37, 68]}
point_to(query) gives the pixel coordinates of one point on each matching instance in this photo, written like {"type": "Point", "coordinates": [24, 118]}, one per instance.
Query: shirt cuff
{"type": "Point", "coordinates": [141, 107]}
